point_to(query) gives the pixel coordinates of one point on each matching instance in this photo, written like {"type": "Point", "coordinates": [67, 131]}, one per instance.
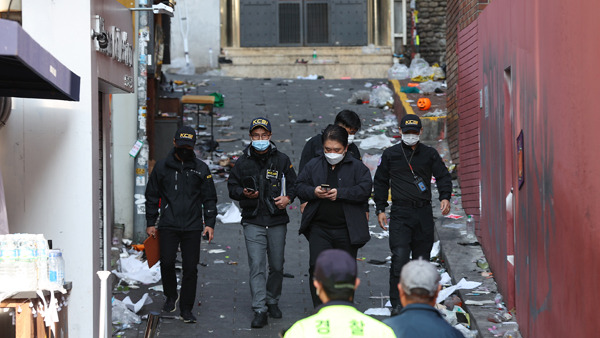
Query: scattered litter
{"type": "Point", "coordinates": [368, 85]}
{"type": "Point", "coordinates": [371, 162]}
{"type": "Point", "coordinates": [360, 97]}
{"type": "Point", "coordinates": [454, 226]}
{"type": "Point", "coordinates": [376, 262]}
{"type": "Point", "coordinates": [482, 263]}
{"type": "Point", "coordinates": [410, 90]}
{"type": "Point", "coordinates": [378, 311]}
{"type": "Point", "coordinates": [436, 113]}
{"type": "Point", "coordinates": [380, 235]}
{"type": "Point", "coordinates": [132, 268]}
{"type": "Point", "coordinates": [145, 300]}
{"type": "Point", "coordinates": [232, 215]}
{"type": "Point", "coordinates": [429, 86]}
{"type": "Point", "coordinates": [122, 315]}
{"type": "Point", "coordinates": [304, 121]}
{"type": "Point", "coordinates": [479, 302]}
{"type": "Point", "coordinates": [435, 249]}
{"type": "Point", "coordinates": [309, 77]}
{"type": "Point", "coordinates": [232, 263]}
{"type": "Point", "coordinates": [329, 95]}
{"type": "Point", "coordinates": [158, 288]}
{"type": "Point", "coordinates": [445, 279]}
{"type": "Point", "coordinates": [462, 284]}
{"type": "Point", "coordinates": [380, 96]}
{"type": "Point", "coordinates": [454, 216]}
{"type": "Point", "coordinates": [219, 261]}
{"type": "Point", "coordinates": [214, 251]}
{"type": "Point", "coordinates": [398, 71]}
{"type": "Point", "coordinates": [376, 142]}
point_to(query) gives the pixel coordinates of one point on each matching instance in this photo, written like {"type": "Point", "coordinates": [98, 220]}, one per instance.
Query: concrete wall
{"type": "Point", "coordinates": [204, 31]}
{"type": "Point", "coordinates": [48, 162]}
{"type": "Point", "coordinates": [550, 223]}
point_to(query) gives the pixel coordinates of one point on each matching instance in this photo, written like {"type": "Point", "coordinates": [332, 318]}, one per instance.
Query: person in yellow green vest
{"type": "Point", "coordinates": [335, 281]}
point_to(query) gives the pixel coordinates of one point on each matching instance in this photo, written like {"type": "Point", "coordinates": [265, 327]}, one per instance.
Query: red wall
{"type": "Point", "coordinates": [553, 53]}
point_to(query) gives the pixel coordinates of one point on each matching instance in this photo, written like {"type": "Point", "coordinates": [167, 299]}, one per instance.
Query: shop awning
{"type": "Point", "coordinates": [28, 70]}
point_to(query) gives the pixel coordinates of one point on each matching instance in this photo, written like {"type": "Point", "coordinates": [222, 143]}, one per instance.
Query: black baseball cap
{"type": "Point", "coordinates": [336, 269]}
{"type": "Point", "coordinates": [185, 136]}
{"type": "Point", "coordinates": [260, 122]}
{"type": "Point", "coordinates": [410, 122]}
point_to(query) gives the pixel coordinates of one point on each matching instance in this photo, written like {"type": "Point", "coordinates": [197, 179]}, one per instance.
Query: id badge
{"type": "Point", "coordinates": [420, 184]}
{"type": "Point", "coordinates": [272, 174]}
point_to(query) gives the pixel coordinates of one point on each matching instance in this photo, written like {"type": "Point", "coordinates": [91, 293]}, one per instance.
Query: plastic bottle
{"type": "Point", "coordinates": [314, 54]}
{"type": "Point", "coordinates": [8, 263]}
{"type": "Point", "coordinates": [26, 261]}
{"type": "Point", "coordinates": [42, 260]}
{"type": "Point", "coordinates": [56, 268]}
{"type": "Point", "coordinates": [471, 229]}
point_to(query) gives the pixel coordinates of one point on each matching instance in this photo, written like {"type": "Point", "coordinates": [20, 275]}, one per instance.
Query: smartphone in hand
{"type": "Point", "coordinates": [325, 187]}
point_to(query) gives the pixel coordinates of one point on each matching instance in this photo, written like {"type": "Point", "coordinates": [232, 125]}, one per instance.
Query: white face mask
{"type": "Point", "coordinates": [334, 158]}
{"type": "Point", "coordinates": [410, 139]}
{"type": "Point", "coordinates": [350, 139]}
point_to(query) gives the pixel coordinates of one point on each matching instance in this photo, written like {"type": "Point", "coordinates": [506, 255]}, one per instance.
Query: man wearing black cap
{"type": "Point", "coordinates": [183, 187]}
{"type": "Point", "coordinates": [407, 168]}
{"type": "Point", "coordinates": [262, 180]}
{"type": "Point", "coordinates": [419, 287]}
{"type": "Point", "coordinates": [335, 280]}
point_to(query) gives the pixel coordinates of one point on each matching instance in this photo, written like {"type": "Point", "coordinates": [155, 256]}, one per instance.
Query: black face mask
{"type": "Point", "coordinates": [185, 154]}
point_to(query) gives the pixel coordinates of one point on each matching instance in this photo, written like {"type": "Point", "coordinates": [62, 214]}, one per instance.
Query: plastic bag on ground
{"type": "Point", "coordinates": [429, 86]}
{"type": "Point", "coordinates": [376, 142]}
{"type": "Point", "coordinates": [232, 215]}
{"type": "Point", "coordinates": [398, 71]}
{"type": "Point", "coordinates": [438, 72]}
{"type": "Point", "coordinates": [380, 96]}
{"type": "Point", "coordinates": [361, 95]}
{"type": "Point", "coordinates": [122, 315]}
{"type": "Point", "coordinates": [419, 68]}
{"type": "Point", "coordinates": [371, 162]}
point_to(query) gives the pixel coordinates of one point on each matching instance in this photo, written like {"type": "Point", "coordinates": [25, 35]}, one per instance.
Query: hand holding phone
{"type": "Point", "coordinates": [325, 187]}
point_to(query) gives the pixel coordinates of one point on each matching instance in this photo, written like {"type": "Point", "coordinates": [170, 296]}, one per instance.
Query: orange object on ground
{"type": "Point", "coordinates": [424, 103]}
{"type": "Point", "coordinates": [413, 84]}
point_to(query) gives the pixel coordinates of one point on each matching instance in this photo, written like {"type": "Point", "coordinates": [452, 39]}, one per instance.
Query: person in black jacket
{"type": "Point", "coordinates": [407, 168]}
{"type": "Point", "coordinates": [337, 187]}
{"type": "Point", "coordinates": [262, 180]}
{"type": "Point", "coordinates": [183, 187]}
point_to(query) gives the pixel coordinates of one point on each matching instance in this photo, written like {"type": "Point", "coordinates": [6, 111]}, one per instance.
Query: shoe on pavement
{"type": "Point", "coordinates": [260, 319]}
{"type": "Point", "coordinates": [188, 317]}
{"type": "Point", "coordinates": [396, 311]}
{"type": "Point", "coordinates": [170, 304]}
{"type": "Point", "coordinates": [274, 311]}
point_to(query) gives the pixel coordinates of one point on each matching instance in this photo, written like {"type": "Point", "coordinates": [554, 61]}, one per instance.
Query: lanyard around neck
{"type": "Point", "coordinates": [408, 161]}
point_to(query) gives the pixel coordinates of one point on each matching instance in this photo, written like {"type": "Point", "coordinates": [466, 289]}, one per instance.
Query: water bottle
{"type": "Point", "coordinates": [42, 261]}
{"type": "Point", "coordinates": [26, 261]}
{"type": "Point", "coordinates": [8, 263]}
{"type": "Point", "coordinates": [56, 268]}
{"type": "Point", "coordinates": [314, 54]}
{"type": "Point", "coordinates": [471, 229]}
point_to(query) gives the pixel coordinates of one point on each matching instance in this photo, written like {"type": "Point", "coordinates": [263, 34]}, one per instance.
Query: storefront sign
{"type": "Point", "coordinates": [112, 41]}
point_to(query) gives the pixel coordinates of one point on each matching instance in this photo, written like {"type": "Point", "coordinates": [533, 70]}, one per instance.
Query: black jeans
{"type": "Point", "coordinates": [411, 230]}
{"type": "Point", "coordinates": [321, 239]}
{"type": "Point", "coordinates": [189, 241]}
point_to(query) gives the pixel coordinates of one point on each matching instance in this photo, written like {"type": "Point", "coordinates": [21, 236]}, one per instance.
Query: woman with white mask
{"type": "Point", "coordinates": [337, 188]}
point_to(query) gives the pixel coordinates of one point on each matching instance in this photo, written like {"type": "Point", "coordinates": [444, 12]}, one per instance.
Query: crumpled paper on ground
{"type": "Point", "coordinates": [132, 268]}
{"type": "Point", "coordinates": [122, 315]}
{"type": "Point", "coordinates": [376, 142]}
{"type": "Point", "coordinates": [232, 215]}
{"type": "Point", "coordinates": [462, 284]}
{"type": "Point", "coordinates": [145, 300]}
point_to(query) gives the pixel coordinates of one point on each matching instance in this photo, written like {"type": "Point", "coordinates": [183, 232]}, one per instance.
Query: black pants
{"type": "Point", "coordinates": [411, 230]}
{"type": "Point", "coordinates": [189, 241]}
{"type": "Point", "coordinates": [321, 239]}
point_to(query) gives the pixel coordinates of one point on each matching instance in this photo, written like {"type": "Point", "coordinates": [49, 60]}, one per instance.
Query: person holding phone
{"type": "Point", "coordinates": [336, 187]}
{"type": "Point", "coordinates": [262, 180]}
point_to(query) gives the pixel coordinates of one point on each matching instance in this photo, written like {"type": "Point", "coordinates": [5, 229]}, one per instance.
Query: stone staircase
{"type": "Point", "coordinates": [331, 62]}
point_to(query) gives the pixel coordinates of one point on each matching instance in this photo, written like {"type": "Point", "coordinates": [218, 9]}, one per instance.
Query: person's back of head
{"type": "Point", "coordinates": [419, 283]}
{"type": "Point", "coordinates": [348, 119]}
{"type": "Point", "coordinates": [335, 275]}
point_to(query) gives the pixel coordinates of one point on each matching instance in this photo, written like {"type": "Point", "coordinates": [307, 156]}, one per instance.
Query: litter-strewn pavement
{"type": "Point", "coordinates": [298, 110]}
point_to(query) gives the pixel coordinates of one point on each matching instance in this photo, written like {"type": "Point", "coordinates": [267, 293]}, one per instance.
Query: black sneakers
{"type": "Point", "coordinates": [170, 304]}
{"type": "Point", "coordinates": [260, 319]}
{"type": "Point", "coordinates": [188, 317]}
{"type": "Point", "coordinates": [274, 311]}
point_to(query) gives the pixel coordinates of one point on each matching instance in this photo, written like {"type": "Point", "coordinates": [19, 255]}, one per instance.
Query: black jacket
{"type": "Point", "coordinates": [314, 148]}
{"type": "Point", "coordinates": [354, 189]}
{"type": "Point", "coordinates": [184, 189]}
{"type": "Point", "coordinates": [394, 170]}
{"type": "Point", "coordinates": [267, 172]}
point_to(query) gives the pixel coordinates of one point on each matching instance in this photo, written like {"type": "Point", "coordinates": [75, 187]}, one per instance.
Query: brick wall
{"type": "Point", "coordinates": [459, 14]}
{"type": "Point", "coordinates": [431, 29]}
